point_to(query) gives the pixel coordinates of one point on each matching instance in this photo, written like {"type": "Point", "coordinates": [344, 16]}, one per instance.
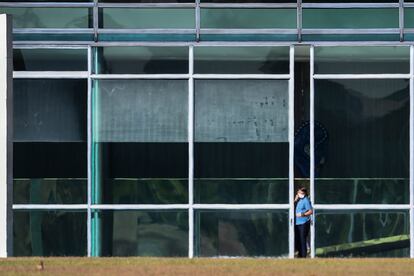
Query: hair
{"type": "Point", "coordinates": [304, 190]}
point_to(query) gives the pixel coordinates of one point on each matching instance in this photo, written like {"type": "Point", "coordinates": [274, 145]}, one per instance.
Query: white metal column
{"type": "Point", "coordinates": [191, 153]}
{"type": "Point", "coordinates": [6, 136]}
{"type": "Point", "coordinates": [312, 150]}
{"type": "Point", "coordinates": [411, 152]}
{"type": "Point", "coordinates": [291, 151]}
{"type": "Point", "coordinates": [89, 162]}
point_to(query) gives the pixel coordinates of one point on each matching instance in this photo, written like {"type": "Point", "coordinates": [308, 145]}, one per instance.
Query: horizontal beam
{"type": "Point", "coordinates": [146, 5]}
{"type": "Point", "coordinates": [349, 31]}
{"type": "Point", "coordinates": [52, 31]}
{"type": "Point", "coordinates": [147, 31]}
{"type": "Point", "coordinates": [242, 76]}
{"type": "Point", "coordinates": [248, 31]}
{"type": "Point", "coordinates": [349, 5]}
{"type": "Point", "coordinates": [140, 76]}
{"type": "Point", "coordinates": [139, 206]}
{"type": "Point", "coordinates": [361, 76]}
{"type": "Point", "coordinates": [361, 207]}
{"type": "Point", "coordinates": [241, 206]}
{"type": "Point", "coordinates": [45, 5]}
{"type": "Point", "coordinates": [50, 75]}
{"type": "Point", "coordinates": [50, 206]}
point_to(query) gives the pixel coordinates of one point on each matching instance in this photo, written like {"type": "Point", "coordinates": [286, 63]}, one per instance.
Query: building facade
{"type": "Point", "coordinates": [182, 128]}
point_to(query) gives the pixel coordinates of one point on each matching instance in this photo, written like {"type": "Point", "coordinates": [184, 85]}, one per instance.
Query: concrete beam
{"type": "Point", "coordinates": [6, 136]}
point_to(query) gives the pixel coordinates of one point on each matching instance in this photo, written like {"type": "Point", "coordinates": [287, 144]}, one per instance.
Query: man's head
{"type": "Point", "coordinates": [302, 192]}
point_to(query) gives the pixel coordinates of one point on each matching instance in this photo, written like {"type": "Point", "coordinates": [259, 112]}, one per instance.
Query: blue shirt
{"type": "Point", "coordinates": [302, 206]}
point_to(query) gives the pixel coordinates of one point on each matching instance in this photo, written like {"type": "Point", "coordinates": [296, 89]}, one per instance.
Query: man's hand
{"type": "Point", "coordinates": [298, 215]}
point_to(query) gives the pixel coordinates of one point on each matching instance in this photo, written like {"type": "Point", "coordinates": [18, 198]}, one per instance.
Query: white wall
{"type": "Point", "coordinates": [6, 136]}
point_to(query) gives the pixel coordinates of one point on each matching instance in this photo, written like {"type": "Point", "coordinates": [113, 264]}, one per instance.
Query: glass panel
{"type": "Point", "coordinates": [38, 160]}
{"type": "Point", "coordinates": [241, 191]}
{"type": "Point", "coordinates": [49, 191]}
{"type": "Point", "coordinates": [409, 17]}
{"type": "Point", "coordinates": [242, 233]}
{"type": "Point", "coordinates": [141, 111]}
{"type": "Point", "coordinates": [50, 110]}
{"type": "Point", "coordinates": [362, 131]}
{"type": "Point", "coordinates": [241, 140]}
{"type": "Point", "coordinates": [247, 18]}
{"type": "Point", "coordinates": [241, 60]}
{"type": "Point", "coordinates": [49, 233]}
{"type": "Point", "coordinates": [350, 18]}
{"type": "Point", "coordinates": [49, 17]}
{"type": "Point", "coordinates": [241, 111]}
{"type": "Point", "coordinates": [140, 135]}
{"type": "Point", "coordinates": [50, 60]}
{"type": "Point", "coordinates": [346, 233]}
{"type": "Point", "coordinates": [50, 148]}
{"type": "Point", "coordinates": [360, 60]}
{"type": "Point", "coordinates": [148, 18]}
{"type": "Point", "coordinates": [143, 60]}
{"type": "Point", "coordinates": [363, 191]}
{"type": "Point", "coordinates": [143, 233]}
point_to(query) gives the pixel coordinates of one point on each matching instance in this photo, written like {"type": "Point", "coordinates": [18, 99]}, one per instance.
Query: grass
{"type": "Point", "coordinates": [204, 266]}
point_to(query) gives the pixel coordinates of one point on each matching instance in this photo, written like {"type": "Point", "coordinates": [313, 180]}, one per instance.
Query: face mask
{"type": "Point", "coordinates": [301, 196]}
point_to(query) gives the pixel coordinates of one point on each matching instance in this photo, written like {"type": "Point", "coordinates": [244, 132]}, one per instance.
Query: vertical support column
{"type": "Point", "coordinates": [299, 19]}
{"type": "Point", "coordinates": [96, 160]}
{"type": "Point", "coordinates": [95, 20]}
{"type": "Point", "coordinates": [191, 153]}
{"type": "Point", "coordinates": [89, 169]}
{"type": "Point", "coordinates": [291, 151]}
{"type": "Point", "coordinates": [197, 20]}
{"type": "Point", "coordinates": [312, 149]}
{"type": "Point", "coordinates": [6, 136]}
{"type": "Point", "coordinates": [401, 18]}
{"type": "Point", "coordinates": [411, 152]}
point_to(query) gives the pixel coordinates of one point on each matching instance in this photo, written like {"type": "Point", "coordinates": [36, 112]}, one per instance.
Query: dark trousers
{"type": "Point", "coordinates": [302, 232]}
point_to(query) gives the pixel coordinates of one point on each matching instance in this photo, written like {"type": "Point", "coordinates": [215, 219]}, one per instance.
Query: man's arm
{"type": "Point", "coordinates": [308, 212]}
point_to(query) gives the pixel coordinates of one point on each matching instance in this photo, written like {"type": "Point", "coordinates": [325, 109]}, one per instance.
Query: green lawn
{"type": "Point", "coordinates": [203, 266]}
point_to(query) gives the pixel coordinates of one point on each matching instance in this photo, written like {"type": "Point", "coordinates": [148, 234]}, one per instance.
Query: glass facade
{"type": "Point", "coordinates": [183, 128]}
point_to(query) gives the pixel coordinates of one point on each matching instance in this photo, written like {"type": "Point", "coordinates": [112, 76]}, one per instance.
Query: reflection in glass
{"type": "Point", "coordinates": [216, 18]}
{"type": "Point", "coordinates": [241, 191]}
{"type": "Point", "coordinates": [360, 60]}
{"type": "Point", "coordinates": [49, 17]}
{"type": "Point", "coordinates": [143, 233]}
{"type": "Point", "coordinates": [241, 60]}
{"type": "Point", "coordinates": [367, 122]}
{"type": "Point", "coordinates": [350, 18]}
{"type": "Point", "coordinates": [242, 233]}
{"type": "Point", "coordinates": [377, 233]}
{"type": "Point", "coordinates": [140, 141]}
{"type": "Point", "coordinates": [142, 60]}
{"type": "Point", "coordinates": [148, 18]}
{"type": "Point", "coordinates": [50, 60]}
{"type": "Point", "coordinates": [241, 141]}
{"type": "Point", "coordinates": [49, 191]}
{"type": "Point", "coordinates": [362, 191]}
{"type": "Point", "coordinates": [49, 233]}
